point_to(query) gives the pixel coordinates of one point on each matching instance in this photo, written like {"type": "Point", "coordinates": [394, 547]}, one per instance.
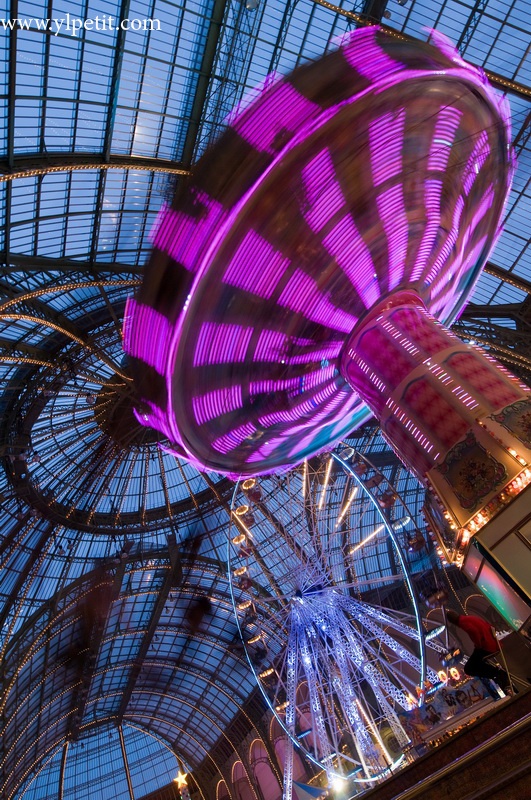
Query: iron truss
{"type": "Point", "coordinates": [81, 181]}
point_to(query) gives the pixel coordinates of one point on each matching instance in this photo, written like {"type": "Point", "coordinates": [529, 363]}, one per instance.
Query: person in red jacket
{"type": "Point", "coordinates": [485, 644]}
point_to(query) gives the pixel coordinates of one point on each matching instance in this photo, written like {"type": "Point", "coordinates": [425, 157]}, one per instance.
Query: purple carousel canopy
{"type": "Point", "coordinates": [383, 166]}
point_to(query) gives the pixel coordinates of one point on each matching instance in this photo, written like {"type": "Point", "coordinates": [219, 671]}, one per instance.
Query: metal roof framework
{"type": "Point", "coordinates": [95, 131]}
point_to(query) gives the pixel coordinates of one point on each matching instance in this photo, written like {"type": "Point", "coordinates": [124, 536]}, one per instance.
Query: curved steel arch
{"type": "Point", "coordinates": [66, 623]}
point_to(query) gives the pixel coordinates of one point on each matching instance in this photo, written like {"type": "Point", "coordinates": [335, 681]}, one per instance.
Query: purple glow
{"type": "Point", "coordinates": [256, 266]}
{"type": "Point", "coordinates": [393, 215]}
{"type": "Point", "coordinates": [386, 137]}
{"type": "Point", "coordinates": [183, 236]}
{"type": "Point", "coordinates": [152, 349]}
{"type": "Point", "coordinates": [268, 386]}
{"type": "Point", "coordinates": [250, 97]}
{"type": "Point", "coordinates": [221, 343]}
{"type": "Point", "coordinates": [331, 350]}
{"type": "Point", "coordinates": [310, 380]}
{"type": "Point", "coordinates": [445, 129]}
{"type": "Point", "coordinates": [366, 57]}
{"type": "Point", "coordinates": [480, 212]}
{"type": "Point", "coordinates": [447, 47]}
{"type": "Point", "coordinates": [271, 346]}
{"type": "Point", "coordinates": [478, 157]}
{"type": "Point", "coordinates": [432, 193]}
{"type": "Point", "coordinates": [232, 439]}
{"type": "Point", "coordinates": [302, 295]}
{"type": "Point", "coordinates": [322, 191]}
{"type": "Point", "coordinates": [280, 109]}
{"type": "Point", "coordinates": [216, 403]}
{"type": "Point", "coordinates": [353, 256]}
{"type": "Point", "coordinates": [449, 242]}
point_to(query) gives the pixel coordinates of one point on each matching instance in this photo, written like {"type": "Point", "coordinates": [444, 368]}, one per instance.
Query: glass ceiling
{"type": "Point", "coordinates": [82, 492]}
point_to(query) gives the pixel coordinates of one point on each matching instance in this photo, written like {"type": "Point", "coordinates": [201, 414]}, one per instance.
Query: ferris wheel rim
{"type": "Point", "coordinates": [264, 603]}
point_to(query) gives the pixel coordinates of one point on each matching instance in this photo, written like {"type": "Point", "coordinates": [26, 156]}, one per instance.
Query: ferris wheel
{"type": "Point", "coordinates": [327, 614]}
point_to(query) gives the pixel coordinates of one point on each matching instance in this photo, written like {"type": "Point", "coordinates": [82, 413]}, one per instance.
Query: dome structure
{"type": "Point", "coordinates": [95, 131]}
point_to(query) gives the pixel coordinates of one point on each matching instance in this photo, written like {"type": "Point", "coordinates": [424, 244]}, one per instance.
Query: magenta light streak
{"type": "Point", "coordinates": [393, 215]}
{"type": "Point", "coordinates": [366, 57]}
{"type": "Point", "coordinates": [446, 300]}
{"type": "Point", "coordinates": [353, 256]}
{"type": "Point", "coordinates": [146, 335]}
{"type": "Point", "coordinates": [303, 296]}
{"type": "Point", "coordinates": [480, 212]}
{"type": "Point", "coordinates": [386, 137]}
{"type": "Point", "coordinates": [291, 385]}
{"type": "Point", "coordinates": [302, 444]}
{"type": "Point", "coordinates": [221, 343]}
{"type": "Point", "coordinates": [319, 376]}
{"type": "Point", "coordinates": [182, 457]}
{"type": "Point", "coordinates": [323, 194]}
{"type": "Point", "coordinates": [330, 351]}
{"type": "Point", "coordinates": [183, 236]}
{"type": "Point", "coordinates": [256, 266]}
{"type": "Point", "coordinates": [281, 109]}
{"type": "Point", "coordinates": [334, 402]}
{"type": "Point", "coordinates": [271, 346]}
{"type": "Point", "coordinates": [446, 126]}
{"type": "Point", "coordinates": [447, 47]}
{"type": "Point", "coordinates": [330, 390]}
{"type": "Point", "coordinates": [216, 403]}
{"type": "Point", "coordinates": [294, 415]}
{"type": "Point", "coordinates": [251, 97]}
{"type": "Point", "coordinates": [280, 417]}
{"type": "Point", "coordinates": [432, 193]}
{"type": "Point", "coordinates": [265, 450]}
{"type": "Point", "coordinates": [232, 439]}
{"type": "Point", "coordinates": [477, 158]}
{"type": "Point", "coordinates": [449, 242]}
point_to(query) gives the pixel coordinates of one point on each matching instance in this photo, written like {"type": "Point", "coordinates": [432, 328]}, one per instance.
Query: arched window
{"type": "Point", "coordinates": [222, 792]}
{"type": "Point", "coordinates": [241, 788]}
{"type": "Point", "coordinates": [278, 738]}
{"type": "Point", "coordinates": [263, 771]}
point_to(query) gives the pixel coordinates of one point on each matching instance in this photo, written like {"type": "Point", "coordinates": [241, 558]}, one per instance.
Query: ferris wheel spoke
{"type": "Point", "coordinates": [347, 694]}
{"type": "Point", "coordinates": [356, 663]}
{"type": "Point", "coordinates": [291, 698]}
{"type": "Point", "coordinates": [315, 704]}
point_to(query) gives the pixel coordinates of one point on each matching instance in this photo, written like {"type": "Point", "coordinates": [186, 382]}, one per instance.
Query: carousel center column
{"type": "Point", "coordinates": [460, 422]}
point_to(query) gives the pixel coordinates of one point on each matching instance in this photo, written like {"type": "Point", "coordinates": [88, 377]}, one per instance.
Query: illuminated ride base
{"type": "Point", "coordinates": [315, 567]}
{"type": "Point", "coordinates": [297, 283]}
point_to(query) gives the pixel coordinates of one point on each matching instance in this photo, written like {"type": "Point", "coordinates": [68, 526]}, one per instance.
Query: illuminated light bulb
{"type": "Point", "coordinates": [455, 674]}
{"type": "Point", "coordinates": [240, 571]}
{"type": "Point", "coordinates": [243, 606]}
{"type": "Point", "coordinates": [339, 784]}
{"type": "Point", "coordinates": [266, 673]}
{"type": "Point", "coordinates": [241, 510]}
{"type": "Point", "coordinates": [255, 639]}
{"type": "Point", "coordinates": [239, 539]}
{"type": "Point", "coordinates": [248, 484]}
